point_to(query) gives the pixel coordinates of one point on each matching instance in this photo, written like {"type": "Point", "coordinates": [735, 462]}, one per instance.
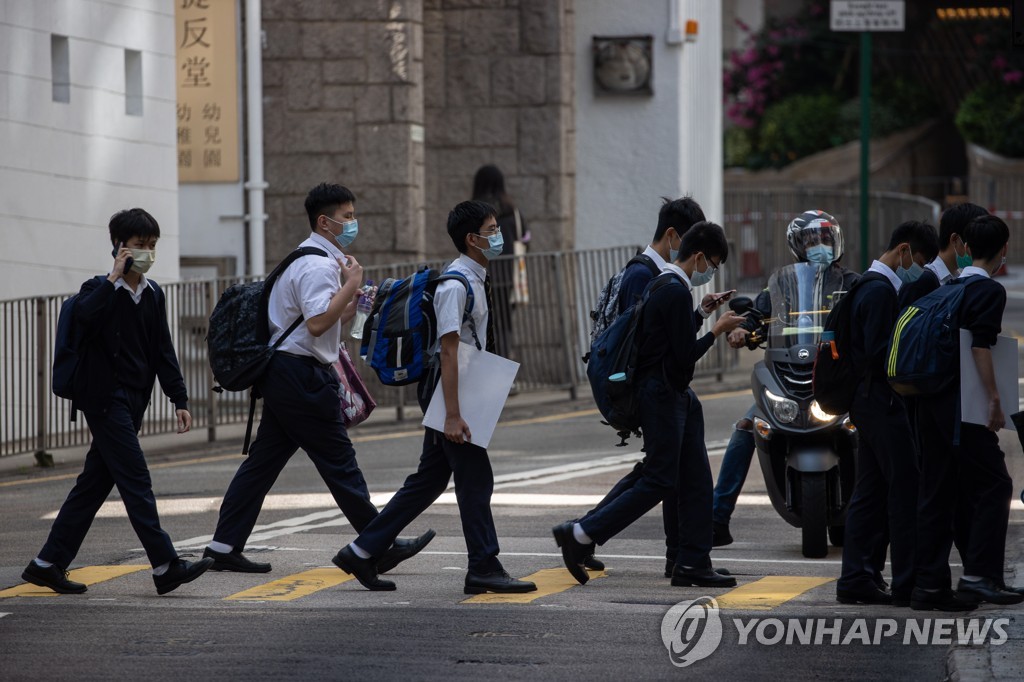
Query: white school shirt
{"type": "Point", "coordinates": [136, 294]}
{"type": "Point", "coordinates": [656, 257]}
{"type": "Point", "coordinates": [450, 302]}
{"type": "Point", "coordinates": [941, 271]}
{"type": "Point", "coordinates": [883, 269]}
{"type": "Point", "coordinates": [673, 268]}
{"type": "Point", "coordinates": [306, 288]}
{"type": "Point", "coordinates": [972, 270]}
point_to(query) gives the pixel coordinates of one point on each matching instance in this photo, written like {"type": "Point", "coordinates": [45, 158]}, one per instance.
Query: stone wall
{"type": "Point", "coordinates": [498, 88]}
{"type": "Point", "coordinates": [343, 102]}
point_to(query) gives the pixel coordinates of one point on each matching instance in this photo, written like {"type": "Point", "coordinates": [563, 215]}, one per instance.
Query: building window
{"type": "Point", "coordinates": [133, 82]}
{"type": "Point", "coordinates": [60, 67]}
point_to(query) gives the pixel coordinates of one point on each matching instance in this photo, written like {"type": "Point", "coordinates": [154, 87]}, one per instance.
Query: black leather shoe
{"type": "Point", "coordinates": [700, 577]}
{"type": "Point", "coordinates": [901, 600]}
{"type": "Point", "coordinates": [179, 573]}
{"type": "Point", "coordinates": [54, 577]}
{"type": "Point", "coordinates": [670, 568]}
{"type": "Point", "coordinates": [592, 563]}
{"type": "Point", "coordinates": [573, 553]}
{"type": "Point", "coordinates": [1008, 588]}
{"type": "Point", "coordinates": [234, 561]}
{"type": "Point", "coordinates": [364, 570]}
{"type": "Point", "coordinates": [943, 600]}
{"type": "Point", "coordinates": [985, 590]}
{"type": "Point", "coordinates": [720, 535]}
{"type": "Point", "coordinates": [872, 595]}
{"type": "Point", "coordinates": [403, 549]}
{"type": "Point", "coordinates": [499, 581]}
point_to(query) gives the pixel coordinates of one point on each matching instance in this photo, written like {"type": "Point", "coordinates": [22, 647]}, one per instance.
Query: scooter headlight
{"type": "Point", "coordinates": [784, 409]}
{"type": "Point", "coordinates": [821, 415]}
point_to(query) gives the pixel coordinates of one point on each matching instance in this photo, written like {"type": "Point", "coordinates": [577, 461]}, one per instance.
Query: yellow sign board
{"type": "Point", "coordinates": [207, 80]}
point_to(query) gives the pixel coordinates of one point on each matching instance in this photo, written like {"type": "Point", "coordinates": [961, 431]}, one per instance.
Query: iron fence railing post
{"type": "Point", "coordinates": [41, 392]}
{"type": "Point", "coordinates": [568, 337]}
{"type": "Point", "coordinates": [212, 404]}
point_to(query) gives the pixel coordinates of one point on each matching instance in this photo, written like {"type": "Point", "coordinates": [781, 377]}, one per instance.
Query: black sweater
{"type": "Point", "coordinates": [873, 316]}
{"type": "Point", "coordinates": [124, 345]}
{"type": "Point", "coordinates": [668, 333]}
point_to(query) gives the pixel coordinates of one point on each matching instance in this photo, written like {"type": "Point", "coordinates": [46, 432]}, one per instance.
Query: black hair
{"type": "Point", "coordinates": [921, 236]}
{"type": "Point", "coordinates": [489, 186]}
{"type": "Point", "coordinates": [681, 214]}
{"type": "Point", "coordinates": [467, 218]}
{"type": "Point", "coordinates": [707, 238]}
{"type": "Point", "coordinates": [955, 219]}
{"type": "Point", "coordinates": [986, 235]}
{"type": "Point", "coordinates": [324, 199]}
{"type": "Point", "coordinates": [132, 222]}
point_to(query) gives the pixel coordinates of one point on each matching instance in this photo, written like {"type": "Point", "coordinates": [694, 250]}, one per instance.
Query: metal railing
{"type": "Point", "coordinates": [548, 336]}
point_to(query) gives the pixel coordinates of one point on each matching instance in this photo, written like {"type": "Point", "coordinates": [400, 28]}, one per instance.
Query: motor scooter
{"type": "Point", "coordinates": [806, 455]}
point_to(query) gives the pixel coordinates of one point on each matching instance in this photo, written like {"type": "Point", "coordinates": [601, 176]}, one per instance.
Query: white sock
{"type": "Point", "coordinates": [161, 569]}
{"type": "Point", "coordinates": [42, 564]}
{"type": "Point", "coordinates": [580, 535]}
{"type": "Point", "coordinates": [360, 552]}
{"type": "Point", "coordinates": [972, 578]}
{"type": "Point", "coordinates": [220, 547]}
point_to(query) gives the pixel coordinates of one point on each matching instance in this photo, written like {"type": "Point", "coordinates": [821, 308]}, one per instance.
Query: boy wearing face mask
{"type": "Point", "coordinates": [672, 420]}
{"type": "Point", "coordinates": [884, 499]}
{"type": "Point", "coordinates": [121, 323]}
{"type": "Point", "coordinates": [964, 462]}
{"type": "Point", "coordinates": [300, 388]}
{"type": "Point", "coordinates": [953, 256]}
{"type": "Point", "coordinates": [474, 231]}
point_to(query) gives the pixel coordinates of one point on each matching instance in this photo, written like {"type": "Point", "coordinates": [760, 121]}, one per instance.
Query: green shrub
{"type": "Point", "coordinates": [993, 117]}
{"type": "Point", "coordinates": [797, 127]}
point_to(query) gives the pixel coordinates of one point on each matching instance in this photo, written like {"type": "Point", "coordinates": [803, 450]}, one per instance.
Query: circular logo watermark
{"type": "Point", "coordinates": [691, 631]}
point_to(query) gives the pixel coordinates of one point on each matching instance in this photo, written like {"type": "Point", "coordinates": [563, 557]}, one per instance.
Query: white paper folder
{"type": "Point", "coordinates": [973, 397]}
{"type": "Point", "coordinates": [485, 380]}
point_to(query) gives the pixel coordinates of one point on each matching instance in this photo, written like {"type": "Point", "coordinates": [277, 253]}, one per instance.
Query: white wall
{"type": "Point", "coordinates": [65, 168]}
{"type": "Point", "coordinates": [632, 150]}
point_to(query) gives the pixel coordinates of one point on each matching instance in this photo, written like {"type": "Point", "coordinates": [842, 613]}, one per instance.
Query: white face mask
{"type": "Point", "coordinates": [142, 260]}
{"type": "Point", "coordinates": [701, 278]}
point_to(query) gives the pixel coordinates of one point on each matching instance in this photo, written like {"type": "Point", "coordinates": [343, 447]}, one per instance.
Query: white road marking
{"type": "Point", "coordinates": [5, 614]}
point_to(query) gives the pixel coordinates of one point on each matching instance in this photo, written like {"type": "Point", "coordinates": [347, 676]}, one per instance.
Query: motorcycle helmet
{"type": "Point", "coordinates": [812, 235]}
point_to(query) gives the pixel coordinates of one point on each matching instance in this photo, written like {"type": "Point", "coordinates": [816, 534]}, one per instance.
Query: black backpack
{"type": "Point", "coordinates": [68, 343]}
{"type": "Point", "coordinates": [606, 311]}
{"type": "Point", "coordinates": [239, 333]}
{"type": "Point", "coordinates": [835, 379]}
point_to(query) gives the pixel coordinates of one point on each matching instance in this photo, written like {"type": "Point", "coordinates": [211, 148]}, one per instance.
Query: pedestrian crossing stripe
{"type": "Point", "coordinates": [549, 581]}
{"type": "Point", "coordinates": [294, 586]}
{"type": "Point", "coordinates": [89, 575]}
{"type": "Point", "coordinates": [769, 592]}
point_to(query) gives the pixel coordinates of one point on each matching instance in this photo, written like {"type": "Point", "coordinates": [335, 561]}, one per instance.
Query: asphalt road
{"type": "Point", "coordinates": [551, 464]}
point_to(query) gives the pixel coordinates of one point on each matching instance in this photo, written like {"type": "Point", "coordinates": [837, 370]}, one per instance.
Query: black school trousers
{"type": "Point", "coordinates": [884, 495]}
{"type": "Point", "coordinates": [966, 482]}
{"type": "Point", "coordinates": [301, 409]}
{"type": "Point", "coordinates": [440, 459]}
{"type": "Point", "coordinates": [676, 463]}
{"type": "Point", "coordinates": [114, 458]}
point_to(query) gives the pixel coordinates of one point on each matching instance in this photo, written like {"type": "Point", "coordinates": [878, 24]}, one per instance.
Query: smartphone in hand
{"type": "Point", "coordinates": [128, 262]}
{"type": "Point", "coordinates": [721, 298]}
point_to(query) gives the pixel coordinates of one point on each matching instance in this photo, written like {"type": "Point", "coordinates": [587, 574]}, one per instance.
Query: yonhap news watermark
{"type": "Point", "coordinates": [692, 630]}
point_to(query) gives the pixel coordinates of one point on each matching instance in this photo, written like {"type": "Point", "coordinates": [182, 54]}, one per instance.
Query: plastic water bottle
{"type": "Point", "coordinates": [363, 308]}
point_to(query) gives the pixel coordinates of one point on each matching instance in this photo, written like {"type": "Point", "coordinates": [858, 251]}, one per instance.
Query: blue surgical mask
{"type": "Point", "coordinates": [673, 253]}
{"type": "Point", "coordinates": [349, 232]}
{"type": "Point", "coordinates": [911, 274]}
{"type": "Point", "coordinates": [964, 261]}
{"type": "Point", "coordinates": [495, 245]}
{"type": "Point", "coordinates": [701, 278]}
{"type": "Point", "coordinates": [820, 255]}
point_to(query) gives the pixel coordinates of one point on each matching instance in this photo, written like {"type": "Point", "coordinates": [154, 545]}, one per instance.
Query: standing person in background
{"type": "Point", "coordinates": [489, 187]}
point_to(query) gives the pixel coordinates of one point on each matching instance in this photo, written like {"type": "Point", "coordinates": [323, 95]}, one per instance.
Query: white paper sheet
{"type": "Point", "coordinates": [485, 380]}
{"type": "Point", "coordinates": [973, 397]}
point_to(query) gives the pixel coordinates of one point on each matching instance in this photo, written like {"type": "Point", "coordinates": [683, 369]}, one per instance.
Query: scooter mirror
{"type": "Point", "coordinates": [741, 305]}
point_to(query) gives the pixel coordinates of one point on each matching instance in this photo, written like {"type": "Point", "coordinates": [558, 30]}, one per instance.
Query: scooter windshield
{"type": "Point", "coordinates": [802, 296]}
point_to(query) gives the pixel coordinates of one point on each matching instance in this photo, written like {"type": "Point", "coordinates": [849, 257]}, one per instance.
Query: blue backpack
{"type": "Point", "coordinates": [611, 369]}
{"type": "Point", "coordinates": [924, 351]}
{"type": "Point", "coordinates": [402, 327]}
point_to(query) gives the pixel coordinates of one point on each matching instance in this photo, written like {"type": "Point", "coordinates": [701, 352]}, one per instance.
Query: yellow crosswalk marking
{"type": "Point", "coordinates": [769, 592]}
{"type": "Point", "coordinates": [90, 575]}
{"type": "Point", "coordinates": [549, 581]}
{"type": "Point", "coordinates": [295, 586]}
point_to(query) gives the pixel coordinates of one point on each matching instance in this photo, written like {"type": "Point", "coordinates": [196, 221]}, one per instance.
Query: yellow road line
{"type": "Point", "coordinates": [769, 592]}
{"type": "Point", "coordinates": [549, 581]}
{"type": "Point", "coordinates": [294, 586]}
{"type": "Point", "coordinates": [90, 575]}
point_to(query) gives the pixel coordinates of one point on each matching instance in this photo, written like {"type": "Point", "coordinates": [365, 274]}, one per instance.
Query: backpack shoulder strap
{"type": "Point", "coordinates": [467, 313]}
{"type": "Point", "coordinates": [262, 321]}
{"type": "Point", "coordinates": [644, 259]}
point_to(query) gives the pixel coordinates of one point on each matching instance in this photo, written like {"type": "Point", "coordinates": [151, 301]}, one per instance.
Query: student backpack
{"type": "Point", "coordinates": [66, 348]}
{"type": "Point", "coordinates": [614, 356]}
{"type": "Point", "coordinates": [239, 333]}
{"type": "Point", "coordinates": [925, 347]}
{"type": "Point", "coordinates": [834, 380]}
{"type": "Point", "coordinates": [402, 326]}
{"type": "Point", "coordinates": [606, 310]}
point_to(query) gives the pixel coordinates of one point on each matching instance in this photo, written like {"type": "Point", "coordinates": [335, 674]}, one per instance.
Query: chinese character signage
{"type": "Point", "coordinates": [207, 78]}
{"type": "Point", "coordinates": [867, 15]}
